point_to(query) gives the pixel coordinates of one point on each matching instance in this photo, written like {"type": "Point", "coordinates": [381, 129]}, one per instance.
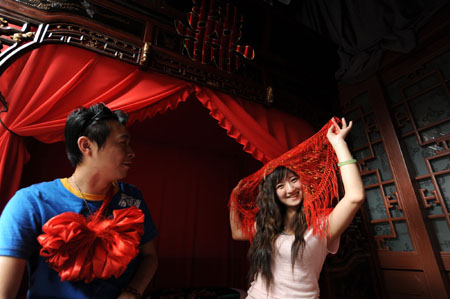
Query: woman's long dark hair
{"type": "Point", "coordinates": [270, 224]}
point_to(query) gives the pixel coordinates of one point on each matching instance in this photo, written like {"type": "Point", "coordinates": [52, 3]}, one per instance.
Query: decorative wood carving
{"type": "Point", "coordinates": [20, 35]}
{"type": "Point", "coordinates": [143, 33]}
{"type": "Point", "coordinates": [213, 35]}
{"type": "Point", "coordinates": [32, 35]}
{"type": "Point", "coordinates": [91, 10]}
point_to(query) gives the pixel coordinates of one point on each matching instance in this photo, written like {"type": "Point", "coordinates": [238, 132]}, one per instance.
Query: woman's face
{"type": "Point", "coordinates": [289, 190]}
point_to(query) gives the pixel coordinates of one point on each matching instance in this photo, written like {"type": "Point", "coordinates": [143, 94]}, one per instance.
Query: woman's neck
{"type": "Point", "coordinates": [290, 213]}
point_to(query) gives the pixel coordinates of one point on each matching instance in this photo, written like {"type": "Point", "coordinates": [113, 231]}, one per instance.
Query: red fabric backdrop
{"type": "Point", "coordinates": [186, 165]}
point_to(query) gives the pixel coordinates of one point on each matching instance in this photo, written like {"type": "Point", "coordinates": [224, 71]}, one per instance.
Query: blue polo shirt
{"type": "Point", "coordinates": [30, 208]}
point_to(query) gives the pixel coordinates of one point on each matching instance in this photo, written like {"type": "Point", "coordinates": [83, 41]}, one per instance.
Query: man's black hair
{"type": "Point", "coordinates": [92, 123]}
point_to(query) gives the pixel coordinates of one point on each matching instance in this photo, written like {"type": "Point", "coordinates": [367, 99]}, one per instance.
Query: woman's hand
{"type": "Point", "coordinates": [344, 212]}
{"type": "Point", "coordinates": [336, 135]}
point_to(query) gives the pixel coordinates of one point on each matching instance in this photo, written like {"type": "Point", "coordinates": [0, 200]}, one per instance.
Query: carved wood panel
{"type": "Point", "coordinates": [420, 105]}
{"type": "Point", "coordinates": [387, 221]}
{"type": "Point", "coordinates": [401, 139]}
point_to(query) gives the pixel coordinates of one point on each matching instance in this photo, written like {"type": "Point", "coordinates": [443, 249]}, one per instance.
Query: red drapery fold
{"type": "Point", "coordinates": [44, 86]}
{"type": "Point", "coordinates": [264, 133]}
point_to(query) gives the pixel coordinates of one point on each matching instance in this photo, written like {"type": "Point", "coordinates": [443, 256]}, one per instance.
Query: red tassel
{"type": "Point", "coordinates": [314, 161]}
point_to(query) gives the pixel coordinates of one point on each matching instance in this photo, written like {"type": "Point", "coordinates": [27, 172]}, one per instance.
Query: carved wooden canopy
{"type": "Point", "coordinates": [238, 47]}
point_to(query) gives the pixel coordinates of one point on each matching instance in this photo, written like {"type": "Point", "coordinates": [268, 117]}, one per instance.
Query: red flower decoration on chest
{"type": "Point", "coordinates": [80, 248]}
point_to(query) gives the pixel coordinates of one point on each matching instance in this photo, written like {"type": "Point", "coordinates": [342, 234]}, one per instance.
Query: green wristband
{"type": "Point", "coordinates": [352, 161]}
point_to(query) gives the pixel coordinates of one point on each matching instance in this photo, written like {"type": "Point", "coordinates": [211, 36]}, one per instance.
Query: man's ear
{"type": "Point", "coordinates": [84, 144]}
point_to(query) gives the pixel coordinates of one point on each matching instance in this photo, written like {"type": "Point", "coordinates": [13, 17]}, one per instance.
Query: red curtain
{"type": "Point", "coordinates": [44, 86]}
{"type": "Point", "coordinates": [186, 173]}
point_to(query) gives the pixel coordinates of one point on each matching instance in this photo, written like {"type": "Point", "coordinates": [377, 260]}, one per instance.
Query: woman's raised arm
{"type": "Point", "coordinates": [354, 196]}
{"type": "Point", "coordinates": [236, 225]}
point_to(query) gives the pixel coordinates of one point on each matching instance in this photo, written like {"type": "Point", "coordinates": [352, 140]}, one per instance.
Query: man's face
{"type": "Point", "coordinates": [114, 159]}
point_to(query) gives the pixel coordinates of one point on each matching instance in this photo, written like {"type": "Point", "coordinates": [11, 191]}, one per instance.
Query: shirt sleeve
{"type": "Point", "coordinates": [150, 231]}
{"type": "Point", "coordinates": [19, 226]}
{"type": "Point", "coordinates": [333, 247]}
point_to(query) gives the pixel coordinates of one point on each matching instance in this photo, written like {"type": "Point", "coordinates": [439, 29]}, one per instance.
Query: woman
{"type": "Point", "coordinates": [293, 229]}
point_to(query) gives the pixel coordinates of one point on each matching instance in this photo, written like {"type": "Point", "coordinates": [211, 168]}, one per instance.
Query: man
{"type": "Point", "coordinates": [88, 256]}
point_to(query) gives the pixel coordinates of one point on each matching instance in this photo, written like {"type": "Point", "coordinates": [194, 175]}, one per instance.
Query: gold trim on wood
{"type": "Point", "coordinates": [145, 53]}
{"type": "Point", "coordinates": [19, 37]}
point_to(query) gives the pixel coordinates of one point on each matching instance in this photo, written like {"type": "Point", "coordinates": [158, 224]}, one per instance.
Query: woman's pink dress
{"type": "Point", "coordinates": [302, 282]}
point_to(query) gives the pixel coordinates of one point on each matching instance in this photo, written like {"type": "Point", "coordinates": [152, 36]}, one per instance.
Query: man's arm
{"type": "Point", "coordinates": [11, 272]}
{"type": "Point", "coordinates": [148, 262]}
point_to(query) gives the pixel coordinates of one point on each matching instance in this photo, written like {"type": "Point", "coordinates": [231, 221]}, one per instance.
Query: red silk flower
{"type": "Point", "coordinates": [86, 249]}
